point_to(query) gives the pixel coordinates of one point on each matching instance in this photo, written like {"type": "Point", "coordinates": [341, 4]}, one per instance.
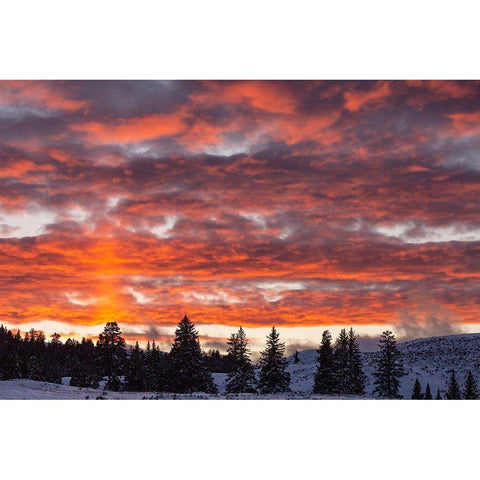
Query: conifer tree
{"type": "Point", "coordinates": [453, 389]}
{"type": "Point", "coordinates": [85, 368]}
{"type": "Point", "coordinates": [438, 396]}
{"type": "Point", "coordinates": [187, 370]}
{"type": "Point", "coordinates": [135, 371]}
{"type": "Point", "coordinates": [241, 378]}
{"type": "Point", "coordinates": [470, 391]}
{"type": "Point", "coordinates": [325, 380]}
{"type": "Point", "coordinates": [111, 346]}
{"type": "Point", "coordinates": [341, 363]}
{"type": "Point", "coordinates": [295, 357]}
{"type": "Point", "coordinates": [428, 393]}
{"type": "Point", "coordinates": [156, 368]}
{"type": "Point", "coordinates": [273, 375]}
{"type": "Point", "coordinates": [356, 376]}
{"type": "Point", "coordinates": [10, 352]}
{"type": "Point", "coordinates": [388, 368]}
{"type": "Point", "coordinates": [417, 391]}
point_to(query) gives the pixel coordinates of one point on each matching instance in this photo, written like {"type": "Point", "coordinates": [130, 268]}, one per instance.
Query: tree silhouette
{"type": "Point", "coordinates": [470, 391]}
{"type": "Point", "coordinates": [389, 367]}
{"type": "Point", "coordinates": [325, 380]}
{"type": "Point", "coordinates": [417, 391]}
{"type": "Point", "coordinates": [111, 346]}
{"type": "Point", "coordinates": [241, 378]}
{"type": "Point", "coordinates": [356, 376]}
{"type": "Point", "coordinates": [273, 375]}
{"type": "Point", "coordinates": [187, 370]}
{"type": "Point", "coordinates": [428, 393]}
{"type": "Point", "coordinates": [453, 389]}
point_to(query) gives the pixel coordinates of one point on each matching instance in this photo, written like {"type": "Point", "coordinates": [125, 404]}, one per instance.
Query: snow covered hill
{"type": "Point", "coordinates": [429, 359]}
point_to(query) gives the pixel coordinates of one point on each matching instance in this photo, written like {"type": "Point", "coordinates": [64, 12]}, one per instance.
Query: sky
{"type": "Point", "coordinates": [301, 204]}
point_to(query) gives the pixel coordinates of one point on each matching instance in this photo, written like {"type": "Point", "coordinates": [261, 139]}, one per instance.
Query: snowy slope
{"type": "Point", "coordinates": [429, 359]}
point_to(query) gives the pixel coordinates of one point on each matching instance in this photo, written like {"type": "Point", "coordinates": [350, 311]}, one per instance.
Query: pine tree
{"type": "Point", "coordinates": [295, 357]}
{"type": "Point", "coordinates": [135, 380]}
{"type": "Point", "coordinates": [187, 370]}
{"type": "Point", "coordinates": [417, 391]}
{"type": "Point", "coordinates": [111, 346]}
{"type": "Point", "coordinates": [341, 363]}
{"type": "Point", "coordinates": [325, 380]}
{"type": "Point", "coordinates": [156, 368]}
{"type": "Point", "coordinates": [438, 396]}
{"type": "Point", "coordinates": [241, 378]}
{"type": "Point", "coordinates": [85, 368]}
{"type": "Point", "coordinates": [273, 375]}
{"type": "Point", "coordinates": [428, 393]}
{"type": "Point", "coordinates": [470, 391]}
{"type": "Point", "coordinates": [10, 353]}
{"type": "Point", "coordinates": [453, 389]}
{"type": "Point", "coordinates": [355, 376]}
{"type": "Point", "coordinates": [389, 367]}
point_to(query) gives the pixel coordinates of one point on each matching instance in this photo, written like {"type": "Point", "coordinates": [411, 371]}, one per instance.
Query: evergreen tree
{"type": "Point", "coordinates": [295, 357]}
{"type": "Point", "coordinates": [85, 372]}
{"type": "Point", "coordinates": [111, 346]}
{"type": "Point", "coordinates": [135, 380]}
{"type": "Point", "coordinates": [417, 391]}
{"type": "Point", "coordinates": [273, 375]}
{"type": "Point", "coordinates": [187, 370]}
{"type": "Point", "coordinates": [10, 352]}
{"type": "Point", "coordinates": [155, 368]}
{"type": "Point", "coordinates": [325, 380]}
{"type": "Point", "coordinates": [341, 363]}
{"type": "Point", "coordinates": [355, 377]}
{"type": "Point", "coordinates": [438, 396]}
{"type": "Point", "coordinates": [453, 389]}
{"type": "Point", "coordinates": [428, 393]}
{"type": "Point", "coordinates": [470, 391]}
{"type": "Point", "coordinates": [388, 368]}
{"type": "Point", "coordinates": [241, 378]}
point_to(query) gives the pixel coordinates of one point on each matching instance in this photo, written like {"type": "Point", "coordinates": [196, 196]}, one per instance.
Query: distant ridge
{"type": "Point", "coordinates": [429, 359]}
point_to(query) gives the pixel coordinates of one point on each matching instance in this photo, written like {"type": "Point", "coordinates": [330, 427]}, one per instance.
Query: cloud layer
{"type": "Point", "coordinates": [253, 203]}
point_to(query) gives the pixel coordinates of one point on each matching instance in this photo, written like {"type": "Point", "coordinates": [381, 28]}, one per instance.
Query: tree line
{"type": "Point", "coordinates": [454, 391]}
{"type": "Point", "coordinates": [186, 368]}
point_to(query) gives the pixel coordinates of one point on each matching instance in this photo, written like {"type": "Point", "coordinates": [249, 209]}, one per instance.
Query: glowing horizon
{"type": "Point", "coordinates": [305, 205]}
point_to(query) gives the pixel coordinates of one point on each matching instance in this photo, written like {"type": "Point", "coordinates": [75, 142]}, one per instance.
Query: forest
{"type": "Point", "coordinates": [112, 365]}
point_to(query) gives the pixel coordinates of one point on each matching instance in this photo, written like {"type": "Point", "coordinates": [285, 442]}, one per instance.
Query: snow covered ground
{"type": "Point", "coordinates": [33, 390]}
{"type": "Point", "coordinates": [429, 359]}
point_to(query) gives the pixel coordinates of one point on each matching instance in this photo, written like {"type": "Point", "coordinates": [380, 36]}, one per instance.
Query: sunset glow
{"type": "Point", "coordinates": [299, 204]}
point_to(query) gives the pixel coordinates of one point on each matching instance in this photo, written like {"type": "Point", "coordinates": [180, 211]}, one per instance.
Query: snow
{"type": "Point", "coordinates": [429, 359]}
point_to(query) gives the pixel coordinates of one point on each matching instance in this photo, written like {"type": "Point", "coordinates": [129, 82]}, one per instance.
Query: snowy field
{"type": "Point", "coordinates": [429, 359]}
{"type": "Point", "coordinates": [33, 390]}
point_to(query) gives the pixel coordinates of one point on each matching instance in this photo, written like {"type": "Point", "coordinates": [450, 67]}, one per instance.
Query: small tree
{"type": "Point", "coordinates": [470, 391]}
{"type": "Point", "coordinates": [135, 380]}
{"type": "Point", "coordinates": [341, 363]}
{"type": "Point", "coordinates": [417, 391]}
{"type": "Point", "coordinates": [241, 378]}
{"type": "Point", "coordinates": [453, 389]}
{"type": "Point", "coordinates": [273, 375]}
{"type": "Point", "coordinates": [187, 370]}
{"type": "Point", "coordinates": [389, 367]}
{"type": "Point", "coordinates": [325, 381]}
{"type": "Point", "coordinates": [111, 346]}
{"type": "Point", "coordinates": [438, 396]}
{"type": "Point", "coordinates": [356, 377]}
{"type": "Point", "coordinates": [85, 368]}
{"type": "Point", "coordinates": [428, 393]}
{"type": "Point", "coordinates": [295, 357]}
